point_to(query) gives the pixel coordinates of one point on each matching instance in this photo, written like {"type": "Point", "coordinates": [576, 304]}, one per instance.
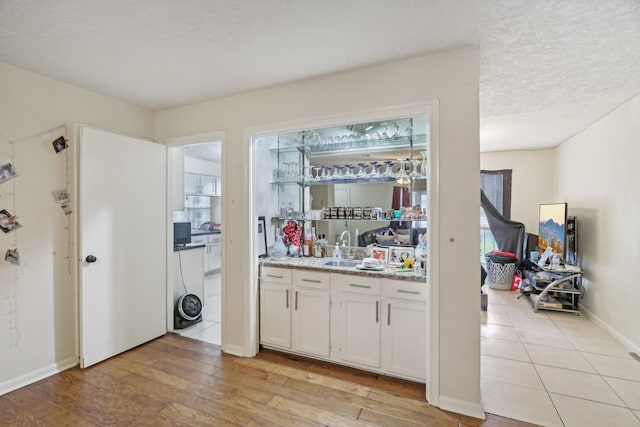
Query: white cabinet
{"type": "Point", "coordinates": [275, 306]}
{"type": "Point", "coordinates": [358, 319]}
{"type": "Point", "coordinates": [361, 321]}
{"type": "Point", "coordinates": [311, 315]}
{"type": "Point", "coordinates": [295, 309]}
{"type": "Point", "coordinates": [404, 328]}
{"type": "Point", "coordinates": [205, 185]}
{"type": "Point", "coordinates": [213, 253]}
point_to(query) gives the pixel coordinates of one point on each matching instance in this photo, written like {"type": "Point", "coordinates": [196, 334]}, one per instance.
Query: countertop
{"type": "Point", "coordinates": [317, 264]}
{"type": "Point", "coordinates": [204, 232]}
{"type": "Point", "coordinates": [187, 247]}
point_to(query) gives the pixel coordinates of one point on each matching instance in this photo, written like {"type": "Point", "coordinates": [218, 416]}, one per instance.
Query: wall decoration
{"type": "Point", "coordinates": [59, 144]}
{"type": "Point", "coordinates": [380, 254]}
{"type": "Point", "coordinates": [8, 222]}
{"type": "Point", "coordinates": [7, 171]}
{"type": "Point", "coordinates": [13, 256]}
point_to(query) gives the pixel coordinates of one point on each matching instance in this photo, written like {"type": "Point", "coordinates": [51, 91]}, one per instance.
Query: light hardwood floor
{"type": "Point", "coordinates": [175, 380]}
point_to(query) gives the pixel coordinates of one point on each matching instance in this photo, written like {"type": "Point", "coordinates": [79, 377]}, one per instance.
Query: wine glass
{"type": "Point", "coordinates": [349, 173]}
{"type": "Point", "coordinates": [374, 170]}
{"type": "Point", "coordinates": [362, 172]}
{"type": "Point", "coordinates": [337, 173]}
{"type": "Point", "coordinates": [415, 172]}
{"type": "Point", "coordinates": [423, 168]}
{"type": "Point", "coordinates": [388, 173]}
{"type": "Point", "coordinates": [317, 168]}
{"type": "Point", "coordinates": [402, 176]}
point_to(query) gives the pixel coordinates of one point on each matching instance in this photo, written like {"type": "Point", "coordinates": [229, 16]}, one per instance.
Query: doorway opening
{"type": "Point", "coordinates": [197, 200]}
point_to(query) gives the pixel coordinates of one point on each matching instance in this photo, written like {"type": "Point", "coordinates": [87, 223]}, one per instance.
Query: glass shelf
{"type": "Point", "coordinates": [279, 218]}
{"type": "Point", "coordinates": [313, 182]}
{"type": "Point", "coordinates": [419, 141]}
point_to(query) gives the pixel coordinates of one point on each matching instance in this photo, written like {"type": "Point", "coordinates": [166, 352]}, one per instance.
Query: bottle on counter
{"type": "Point", "coordinates": [337, 253]}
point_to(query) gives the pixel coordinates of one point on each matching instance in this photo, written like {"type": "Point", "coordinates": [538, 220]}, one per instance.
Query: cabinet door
{"type": "Point", "coordinates": [207, 185]}
{"type": "Point", "coordinates": [215, 256]}
{"type": "Point", "coordinates": [218, 186]}
{"type": "Point", "coordinates": [191, 183]}
{"type": "Point", "coordinates": [310, 321]}
{"type": "Point", "coordinates": [275, 314]}
{"type": "Point", "coordinates": [360, 323]}
{"type": "Point", "coordinates": [404, 338]}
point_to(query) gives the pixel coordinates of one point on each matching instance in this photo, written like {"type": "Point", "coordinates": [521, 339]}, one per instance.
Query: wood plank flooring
{"type": "Point", "coordinates": [177, 381]}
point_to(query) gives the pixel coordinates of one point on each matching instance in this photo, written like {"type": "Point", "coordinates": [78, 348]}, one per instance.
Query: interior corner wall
{"type": "Point", "coordinates": [38, 311]}
{"type": "Point", "coordinates": [598, 176]}
{"type": "Point", "coordinates": [451, 78]}
{"type": "Point", "coordinates": [533, 181]}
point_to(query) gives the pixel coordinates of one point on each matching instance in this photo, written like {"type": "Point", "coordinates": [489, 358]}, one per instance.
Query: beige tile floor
{"type": "Point", "coordinates": [554, 369]}
{"type": "Point", "coordinates": [209, 329]}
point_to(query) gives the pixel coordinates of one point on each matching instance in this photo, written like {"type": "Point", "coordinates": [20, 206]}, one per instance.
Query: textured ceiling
{"type": "Point", "coordinates": [548, 68]}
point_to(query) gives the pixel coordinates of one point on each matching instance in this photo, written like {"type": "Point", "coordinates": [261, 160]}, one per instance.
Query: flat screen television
{"type": "Point", "coordinates": [552, 227]}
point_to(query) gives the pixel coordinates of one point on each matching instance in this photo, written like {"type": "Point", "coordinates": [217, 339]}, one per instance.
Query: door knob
{"type": "Point", "coordinates": [91, 258]}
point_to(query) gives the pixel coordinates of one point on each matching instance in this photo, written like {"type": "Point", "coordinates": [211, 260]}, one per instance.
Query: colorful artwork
{"type": "Point", "coordinates": [552, 227]}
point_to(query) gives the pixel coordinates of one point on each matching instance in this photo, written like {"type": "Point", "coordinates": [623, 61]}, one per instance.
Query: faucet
{"type": "Point", "coordinates": [349, 240]}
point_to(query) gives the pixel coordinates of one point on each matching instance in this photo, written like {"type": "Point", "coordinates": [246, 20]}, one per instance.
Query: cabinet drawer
{"type": "Point", "coordinates": [404, 289]}
{"type": "Point", "coordinates": [275, 274]}
{"type": "Point", "coordinates": [311, 279]}
{"type": "Point", "coordinates": [355, 284]}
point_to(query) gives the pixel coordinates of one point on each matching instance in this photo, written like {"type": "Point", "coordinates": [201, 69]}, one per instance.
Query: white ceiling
{"type": "Point", "coordinates": [548, 68]}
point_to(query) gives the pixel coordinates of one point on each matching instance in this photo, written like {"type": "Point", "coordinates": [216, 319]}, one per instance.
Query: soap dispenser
{"type": "Point", "coordinates": [337, 254]}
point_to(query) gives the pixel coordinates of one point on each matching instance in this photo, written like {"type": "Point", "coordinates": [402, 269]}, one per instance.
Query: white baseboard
{"type": "Point", "coordinates": [37, 375]}
{"type": "Point", "coordinates": [235, 350]}
{"type": "Point", "coordinates": [604, 325]}
{"type": "Point", "coordinates": [461, 407]}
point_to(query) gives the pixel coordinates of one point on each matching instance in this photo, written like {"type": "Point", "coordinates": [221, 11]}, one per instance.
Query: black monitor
{"type": "Point", "coordinates": [552, 227]}
{"type": "Point", "coordinates": [181, 233]}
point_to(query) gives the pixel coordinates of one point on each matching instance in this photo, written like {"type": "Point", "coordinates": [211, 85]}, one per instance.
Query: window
{"type": "Point", "coordinates": [496, 185]}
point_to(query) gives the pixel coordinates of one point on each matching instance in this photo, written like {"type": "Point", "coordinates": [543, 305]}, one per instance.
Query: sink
{"type": "Point", "coordinates": [341, 263]}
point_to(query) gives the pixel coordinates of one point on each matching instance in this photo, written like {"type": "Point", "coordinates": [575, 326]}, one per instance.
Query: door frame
{"type": "Point", "coordinates": [171, 143]}
{"type": "Point", "coordinates": [429, 109]}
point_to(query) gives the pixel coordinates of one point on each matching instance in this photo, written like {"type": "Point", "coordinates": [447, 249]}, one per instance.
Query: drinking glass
{"type": "Point", "coordinates": [423, 168]}
{"type": "Point", "coordinates": [337, 173]}
{"type": "Point", "coordinates": [388, 171]}
{"type": "Point", "coordinates": [362, 172]}
{"type": "Point", "coordinates": [349, 173]}
{"type": "Point", "coordinates": [415, 172]}
{"type": "Point", "coordinates": [374, 170]}
{"type": "Point", "coordinates": [402, 176]}
{"type": "Point", "coordinates": [317, 177]}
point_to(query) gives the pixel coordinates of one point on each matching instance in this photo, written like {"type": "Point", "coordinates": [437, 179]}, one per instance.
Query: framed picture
{"type": "Point", "coordinates": [397, 254]}
{"type": "Point", "coordinates": [379, 253]}
{"type": "Point", "coordinates": [7, 172]}
{"type": "Point", "coordinates": [261, 238]}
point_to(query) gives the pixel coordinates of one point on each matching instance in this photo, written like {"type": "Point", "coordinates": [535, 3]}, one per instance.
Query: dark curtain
{"type": "Point", "coordinates": [509, 234]}
{"type": "Point", "coordinates": [401, 197]}
{"type": "Point", "coordinates": [496, 185]}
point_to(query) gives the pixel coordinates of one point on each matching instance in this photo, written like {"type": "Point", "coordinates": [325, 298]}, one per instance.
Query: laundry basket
{"type": "Point", "coordinates": [500, 270]}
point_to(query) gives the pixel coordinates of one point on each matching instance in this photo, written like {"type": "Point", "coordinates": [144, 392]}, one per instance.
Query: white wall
{"type": "Point", "coordinates": [44, 302]}
{"type": "Point", "coordinates": [451, 78]}
{"type": "Point", "coordinates": [598, 176]}
{"type": "Point", "coordinates": [533, 181]}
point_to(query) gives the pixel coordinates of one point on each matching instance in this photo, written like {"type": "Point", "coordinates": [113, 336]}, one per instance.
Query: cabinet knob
{"type": "Point", "coordinates": [91, 258]}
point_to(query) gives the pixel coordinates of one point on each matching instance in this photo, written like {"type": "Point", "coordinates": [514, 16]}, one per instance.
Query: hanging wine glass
{"type": "Point", "coordinates": [415, 172]}
{"type": "Point", "coordinates": [423, 168]}
{"type": "Point", "coordinates": [388, 173]}
{"type": "Point", "coordinates": [401, 176]}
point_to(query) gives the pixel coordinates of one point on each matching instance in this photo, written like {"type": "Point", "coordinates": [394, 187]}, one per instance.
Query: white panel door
{"type": "Point", "coordinates": [404, 338]}
{"type": "Point", "coordinates": [361, 329]}
{"type": "Point", "coordinates": [122, 229]}
{"type": "Point", "coordinates": [275, 314]}
{"type": "Point", "coordinates": [311, 318]}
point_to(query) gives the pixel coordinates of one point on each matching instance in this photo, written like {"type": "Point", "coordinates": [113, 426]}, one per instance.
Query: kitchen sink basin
{"type": "Point", "coordinates": [341, 263]}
